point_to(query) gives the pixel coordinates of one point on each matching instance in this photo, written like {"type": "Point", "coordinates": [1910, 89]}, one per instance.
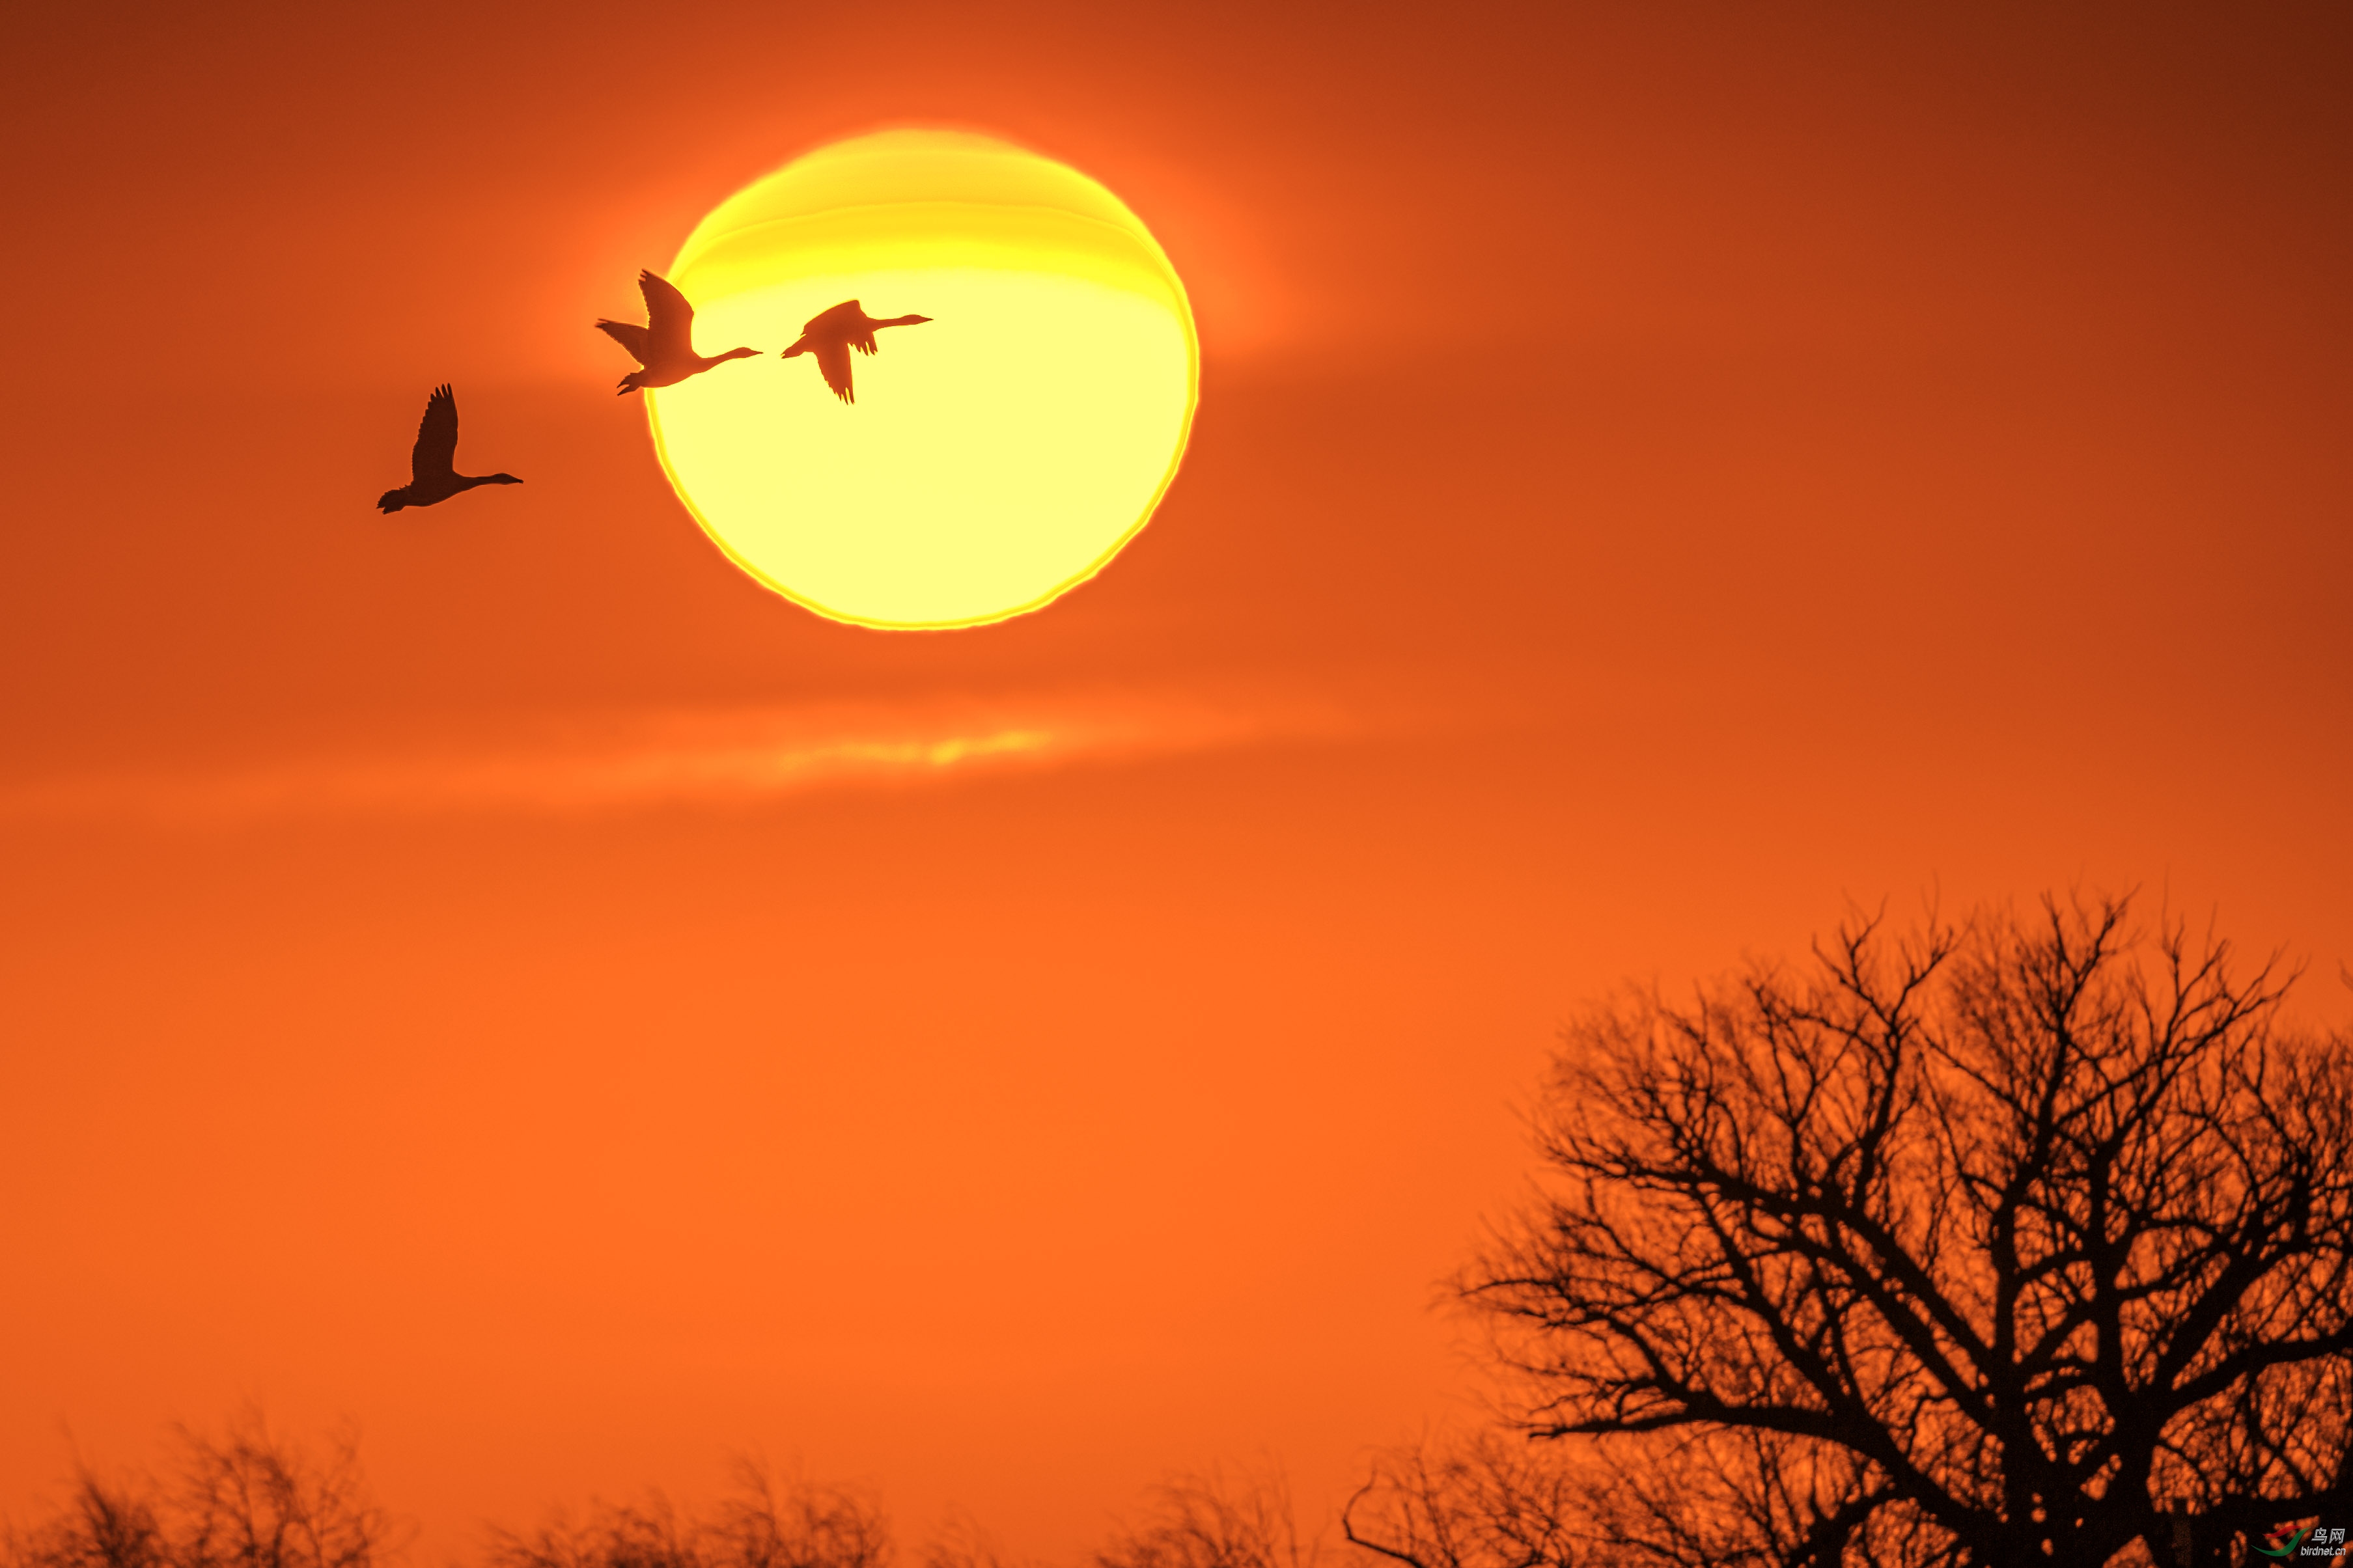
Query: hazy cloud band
{"type": "Point", "coordinates": [623, 762]}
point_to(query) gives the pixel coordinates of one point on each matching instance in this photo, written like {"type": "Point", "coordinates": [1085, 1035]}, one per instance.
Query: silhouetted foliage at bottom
{"type": "Point", "coordinates": [253, 1500]}
{"type": "Point", "coordinates": [1488, 1501]}
{"type": "Point", "coordinates": [762, 1524]}
{"type": "Point", "coordinates": [1214, 1521]}
{"type": "Point", "coordinates": [246, 1500]}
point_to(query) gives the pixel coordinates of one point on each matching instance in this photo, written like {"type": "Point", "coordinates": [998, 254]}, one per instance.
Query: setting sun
{"type": "Point", "coordinates": [996, 455]}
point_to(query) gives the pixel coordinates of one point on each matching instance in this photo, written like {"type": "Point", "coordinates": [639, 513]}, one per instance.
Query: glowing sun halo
{"type": "Point", "coordinates": [998, 455]}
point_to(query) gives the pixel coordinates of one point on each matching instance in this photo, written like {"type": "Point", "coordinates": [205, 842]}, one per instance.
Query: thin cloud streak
{"type": "Point", "coordinates": [690, 759]}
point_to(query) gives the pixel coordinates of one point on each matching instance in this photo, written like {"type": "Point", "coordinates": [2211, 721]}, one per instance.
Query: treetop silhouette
{"type": "Point", "coordinates": [2031, 1240]}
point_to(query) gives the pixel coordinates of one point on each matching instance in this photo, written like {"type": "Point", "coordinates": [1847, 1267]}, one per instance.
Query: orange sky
{"type": "Point", "coordinates": [1661, 471]}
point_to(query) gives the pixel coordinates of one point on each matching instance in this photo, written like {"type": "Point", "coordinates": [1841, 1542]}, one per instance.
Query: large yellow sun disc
{"type": "Point", "coordinates": [998, 455]}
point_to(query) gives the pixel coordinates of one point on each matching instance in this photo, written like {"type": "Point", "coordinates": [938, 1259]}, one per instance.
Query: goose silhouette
{"type": "Point", "coordinates": [665, 344]}
{"type": "Point", "coordinates": [432, 473]}
{"type": "Point", "coordinates": [833, 334]}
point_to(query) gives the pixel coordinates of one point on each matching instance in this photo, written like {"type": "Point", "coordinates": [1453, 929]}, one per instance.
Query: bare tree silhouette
{"type": "Point", "coordinates": [1214, 1521]}
{"type": "Point", "coordinates": [248, 1498]}
{"type": "Point", "coordinates": [103, 1526]}
{"type": "Point", "coordinates": [961, 1541]}
{"type": "Point", "coordinates": [251, 1500]}
{"type": "Point", "coordinates": [2031, 1240]}
{"type": "Point", "coordinates": [1487, 1502]}
{"type": "Point", "coordinates": [796, 1524]}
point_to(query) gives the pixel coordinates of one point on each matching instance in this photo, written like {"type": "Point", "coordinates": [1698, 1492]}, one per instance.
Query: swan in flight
{"type": "Point", "coordinates": [432, 473]}
{"type": "Point", "coordinates": [832, 335]}
{"type": "Point", "coordinates": [665, 344]}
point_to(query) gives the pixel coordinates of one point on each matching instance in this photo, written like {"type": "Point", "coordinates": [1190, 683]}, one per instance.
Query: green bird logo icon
{"type": "Point", "coordinates": [2284, 1549]}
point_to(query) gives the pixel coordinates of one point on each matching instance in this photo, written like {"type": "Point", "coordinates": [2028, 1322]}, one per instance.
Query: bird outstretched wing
{"type": "Point", "coordinates": [842, 316]}
{"type": "Point", "coordinates": [628, 335]}
{"type": "Point", "coordinates": [833, 363]}
{"type": "Point", "coordinates": [670, 320]}
{"type": "Point", "coordinates": [434, 455]}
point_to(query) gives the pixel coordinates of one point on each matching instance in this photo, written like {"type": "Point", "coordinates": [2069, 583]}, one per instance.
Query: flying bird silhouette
{"type": "Point", "coordinates": [665, 344]}
{"type": "Point", "coordinates": [832, 335]}
{"type": "Point", "coordinates": [432, 473]}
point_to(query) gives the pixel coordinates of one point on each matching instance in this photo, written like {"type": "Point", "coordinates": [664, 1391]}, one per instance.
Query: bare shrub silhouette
{"type": "Point", "coordinates": [248, 1499]}
{"type": "Point", "coordinates": [959, 1539]}
{"type": "Point", "coordinates": [2029, 1240]}
{"type": "Point", "coordinates": [961, 1542]}
{"type": "Point", "coordinates": [1487, 1501]}
{"type": "Point", "coordinates": [252, 1502]}
{"type": "Point", "coordinates": [103, 1527]}
{"type": "Point", "coordinates": [1212, 1520]}
{"type": "Point", "coordinates": [764, 1524]}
